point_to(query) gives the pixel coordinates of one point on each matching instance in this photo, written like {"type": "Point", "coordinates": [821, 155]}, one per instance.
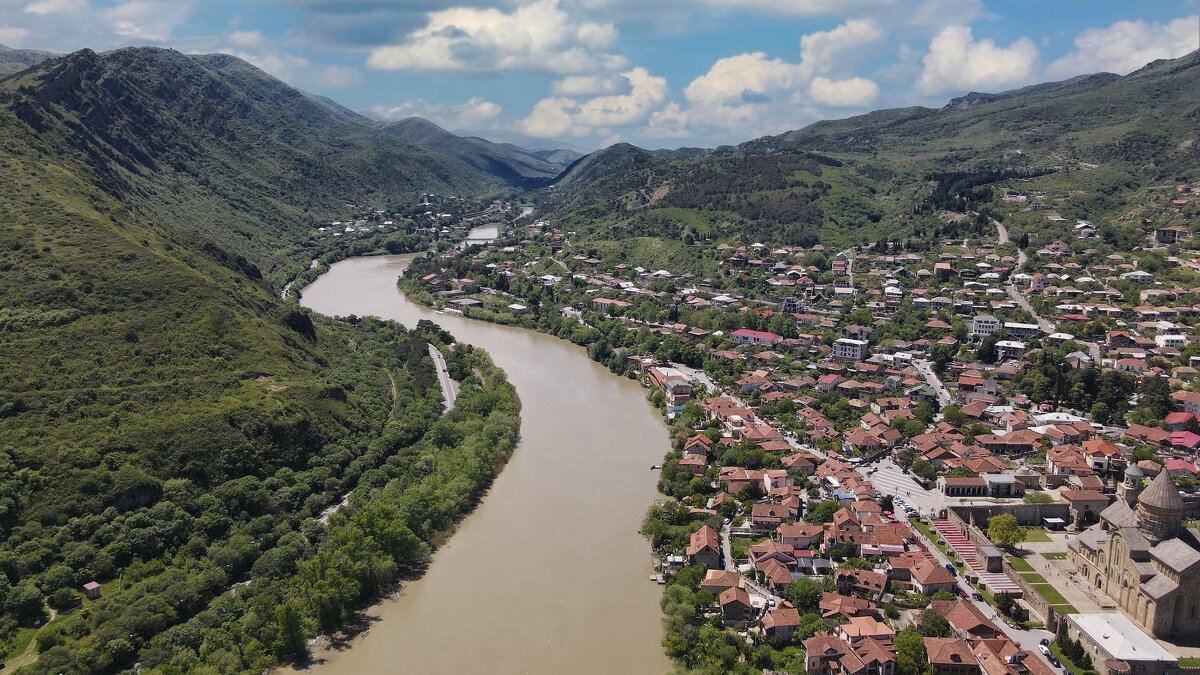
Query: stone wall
{"type": "Point", "coordinates": [1026, 514]}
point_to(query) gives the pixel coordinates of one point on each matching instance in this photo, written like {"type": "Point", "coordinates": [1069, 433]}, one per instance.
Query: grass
{"type": "Point", "coordinates": [929, 534]}
{"type": "Point", "coordinates": [1050, 593]}
{"type": "Point", "coordinates": [740, 546]}
{"type": "Point", "coordinates": [1036, 534]}
{"type": "Point", "coordinates": [1033, 578]}
{"type": "Point", "coordinates": [1019, 564]}
{"type": "Point", "coordinates": [1055, 555]}
{"type": "Point", "coordinates": [1189, 662]}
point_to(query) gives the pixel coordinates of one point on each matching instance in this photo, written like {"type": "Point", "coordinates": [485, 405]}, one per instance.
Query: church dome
{"type": "Point", "coordinates": [1134, 471]}
{"type": "Point", "coordinates": [1162, 495]}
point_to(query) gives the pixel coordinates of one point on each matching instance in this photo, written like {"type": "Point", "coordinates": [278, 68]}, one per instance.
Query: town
{"type": "Point", "coordinates": [978, 457]}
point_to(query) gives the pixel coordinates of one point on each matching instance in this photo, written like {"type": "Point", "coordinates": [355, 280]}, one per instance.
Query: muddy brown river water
{"type": "Point", "coordinates": [549, 574]}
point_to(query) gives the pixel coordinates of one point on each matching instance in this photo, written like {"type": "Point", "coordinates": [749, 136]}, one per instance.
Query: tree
{"type": "Point", "coordinates": [1004, 531]}
{"type": "Point", "coordinates": [934, 624]}
{"type": "Point", "coordinates": [910, 651]}
{"type": "Point", "coordinates": [1038, 498]}
{"type": "Point", "coordinates": [1101, 413]}
{"type": "Point", "coordinates": [805, 594]}
{"type": "Point", "coordinates": [290, 642]}
{"type": "Point", "coordinates": [823, 512]}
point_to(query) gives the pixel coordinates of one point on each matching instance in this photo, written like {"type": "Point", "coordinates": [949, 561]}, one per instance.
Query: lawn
{"type": "Point", "coordinates": [929, 534]}
{"type": "Point", "coordinates": [1019, 564]}
{"type": "Point", "coordinates": [740, 546]}
{"type": "Point", "coordinates": [1189, 662]}
{"type": "Point", "coordinates": [1034, 578]}
{"type": "Point", "coordinates": [1055, 555]}
{"type": "Point", "coordinates": [1035, 534]}
{"type": "Point", "coordinates": [1050, 593]}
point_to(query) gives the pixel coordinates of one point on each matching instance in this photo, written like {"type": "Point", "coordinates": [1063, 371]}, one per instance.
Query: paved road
{"type": "Point", "coordinates": [925, 368]}
{"type": "Point", "coordinates": [1022, 302]}
{"type": "Point", "coordinates": [449, 386]}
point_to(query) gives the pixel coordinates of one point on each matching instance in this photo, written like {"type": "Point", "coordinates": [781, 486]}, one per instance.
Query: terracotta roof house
{"type": "Point", "coordinates": [860, 627]}
{"type": "Point", "coordinates": [705, 548]}
{"type": "Point", "coordinates": [735, 605]}
{"type": "Point", "coordinates": [719, 581]}
{"type": "Point", "coordinates": [781, 622]}
{"type": "Point", "coordinates": [929, 577]}
{"type": "Point", "coordinates": [967, 620]}
{"type": "Point", "coordinates": [950, 656]}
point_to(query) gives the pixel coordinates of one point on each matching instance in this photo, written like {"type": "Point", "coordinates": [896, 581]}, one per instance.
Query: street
{"type": "Point", "coordinates": [925, 368]}
{"type": "Point", "coordinates": [449, 386]}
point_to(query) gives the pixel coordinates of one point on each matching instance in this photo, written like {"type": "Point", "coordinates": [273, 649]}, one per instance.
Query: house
{"type": "Point", "coordinates": [929, 577]}
{"type": "Point", "coordinates": [1010, 350]}
{"type": "Point", "coordinates": [849, 349]}
{"type": "Point", "coordinates": [864, 583]}
{"type": "Point", "coordinates": [705, 548]}
{"type": "Point", "coordinates": [719, 581]}
{"type": "Point", "coordinates": [864, 627]}
{"type": "Point", "coordinates": [800, 535]}
{"type": "Point", "coordinates": [828, 655]}
{"type": "Point", "coordinates": [747, 336]}
{"type": "Point", "coordinates": [608, 305]}
{"type": "Point", "coordinates": [735, 605]}
{"type": "Point", "coordinates": [92, 590]}
{"type": "Point", "coordinates": [674, 384]}
{"type": "Point", "coordinates": [967, 620]}
{"type": "Point", "coordinates": [1138, 277]}
{"type": "Point", "coordinates": [1190, 401]}
{"type": "Point", "coordinates": [1112, 637]}
{"type": "Point", "coordinates": [781, 622]}
{"type": "Point", "coordinates": [950, 656]}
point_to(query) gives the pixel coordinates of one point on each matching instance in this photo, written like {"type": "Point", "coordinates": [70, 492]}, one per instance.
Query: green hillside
{"type": "Point", "coordinates": [168, 427]}
{"type": "Point", "coordinates": [872, 176]}
{"type": "Point", "coordinates": [16, 60]}
{"type": "Point", "coordinates": [513, 165]}
{"type": "Point", "coordinates": [213, 146]}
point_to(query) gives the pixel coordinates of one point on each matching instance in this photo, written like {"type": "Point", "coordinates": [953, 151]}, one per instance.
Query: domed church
{"type": "Point", "coordinates": [1142, 557]}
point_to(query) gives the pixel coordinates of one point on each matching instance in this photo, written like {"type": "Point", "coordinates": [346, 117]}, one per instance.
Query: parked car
{"type": "Point", "coordinates": [1044, 641]}
{"type": "Point", "coordinates": [1054, 661]}
{"type": "Point", "coordinates": [977, 596]}
{"type": "Point", "coordinates": [951, 569]}
{"type": "Point", "coordinates": [1044, 650]}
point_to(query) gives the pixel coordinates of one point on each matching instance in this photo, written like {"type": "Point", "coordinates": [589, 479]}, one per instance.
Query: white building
{"type": "Point", "coordinates": [849, 349]}
{"type": "Point", "coordinates": [1022, 330]}
{"type": "Point", "coordinates": [1170, 340]}
{"type": "Point", "coordinates": [984, 325]}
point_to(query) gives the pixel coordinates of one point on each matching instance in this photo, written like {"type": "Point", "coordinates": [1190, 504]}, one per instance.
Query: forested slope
{"type": "Point", "coordinates": [168, 427]}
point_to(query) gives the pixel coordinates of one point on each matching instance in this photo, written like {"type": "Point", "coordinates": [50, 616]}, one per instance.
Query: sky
{"type": "Point", "coordinates": [656, 73]}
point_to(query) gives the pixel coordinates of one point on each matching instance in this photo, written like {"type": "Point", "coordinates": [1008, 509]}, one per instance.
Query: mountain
{"type": "Point", "coordinates": [861, 178]}
{"type": "Point", "coordinates": [512, 164]}
{"type": "Point", "coordinates": [168, 426]}
{"type": "Point", "coordinates": [527, 143]}
{"type": "Point", "coordinates": [16, 60]}
{"type": "Point", "coordinates": [1145, 116]}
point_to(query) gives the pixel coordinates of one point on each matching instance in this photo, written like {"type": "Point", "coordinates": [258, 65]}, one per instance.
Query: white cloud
{"type": "Point", "coordinates": [854, 92]}
{"type": "Point", "coordinates": [1126, 46]}
{"type": "Point", "coordinates": [539, 36]}
{"type": "Point", "coordinates": [742, 78]}
{"type": "Point", "coordinates": [584, 85]}
{"type": "Point", "coordinates": [44, 7]}
{"type": "Point", "coordinates": [148, 19]}
{"type": "Point", "coordinates": [474, 113]}
{"type": "Point", "coordinates": [272, 56]}
{"type": "Point", "coordinates": [567, 116]}
{"type": "Point", "coordinates": [10, 36]}
{"type": "Point", "coordinates": [819, 51]}
{"type": "Point", "coordinates": [756, 93]}
{"type": "Point", "coordinates": [957, 61]}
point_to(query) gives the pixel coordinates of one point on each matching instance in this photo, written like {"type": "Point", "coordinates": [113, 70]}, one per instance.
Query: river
{"type": "Point", "coordinates": [549, 574]}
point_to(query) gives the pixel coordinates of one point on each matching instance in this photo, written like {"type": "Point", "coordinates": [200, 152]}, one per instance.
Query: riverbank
{"type": "Point", "coordinates": [549, 571]}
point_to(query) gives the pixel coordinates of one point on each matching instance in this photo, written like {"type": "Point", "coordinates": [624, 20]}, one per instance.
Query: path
{"type": "Point", "coordinates": [1023, 302]}
{"type": "Point", "coordinates": [449, 386]}
{"type": "Point", "coordinates": [925, 368]}
{"type": "Point", "coordinates": [1027, 640]}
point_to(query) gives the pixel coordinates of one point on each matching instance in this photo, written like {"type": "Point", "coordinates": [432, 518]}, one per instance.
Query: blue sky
{"type": "Point", "coordinates": [658, 73]}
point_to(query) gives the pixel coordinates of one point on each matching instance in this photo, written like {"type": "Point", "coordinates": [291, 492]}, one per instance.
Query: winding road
{"type": "Point", "coordinates": [449, 386]}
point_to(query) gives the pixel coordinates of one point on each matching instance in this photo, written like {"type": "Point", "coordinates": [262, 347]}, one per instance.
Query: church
{"type": "Point", "coordinates": [1142, 557]}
